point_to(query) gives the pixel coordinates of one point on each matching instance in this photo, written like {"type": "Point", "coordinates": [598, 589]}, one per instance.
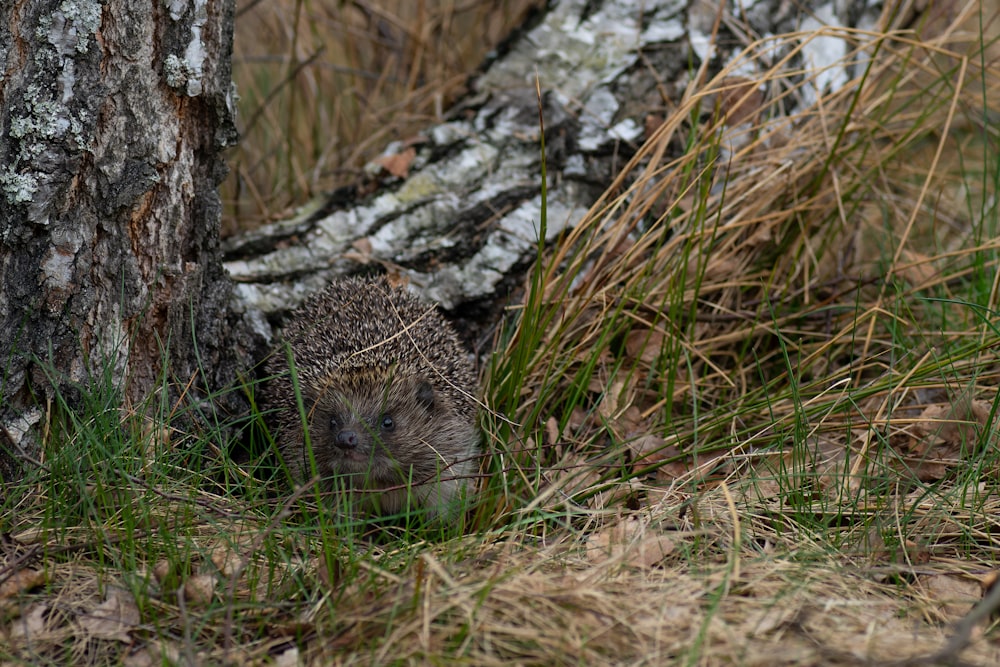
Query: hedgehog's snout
{"type": "Point", "coordinates": [347, 439]}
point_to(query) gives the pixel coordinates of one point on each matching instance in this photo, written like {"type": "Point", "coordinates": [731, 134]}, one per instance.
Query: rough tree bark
{"type": "Point", "coordinates": [113, 114]}
{"type": "Point", "coordinates": [457, 210]}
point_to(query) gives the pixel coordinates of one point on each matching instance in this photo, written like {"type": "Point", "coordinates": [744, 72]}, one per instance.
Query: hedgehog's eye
{"type": "Point", "coordinates": [334, 424]}
{"type": "Point", "coordinates": [387, 423]}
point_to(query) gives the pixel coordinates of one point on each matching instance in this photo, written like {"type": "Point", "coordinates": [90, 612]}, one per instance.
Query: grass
{"type": "Point", "coordinates": [745, 414]}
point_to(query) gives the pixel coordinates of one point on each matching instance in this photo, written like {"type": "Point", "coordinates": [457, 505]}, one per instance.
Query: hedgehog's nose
{"type": "Point", "coordinates": [346, 439]}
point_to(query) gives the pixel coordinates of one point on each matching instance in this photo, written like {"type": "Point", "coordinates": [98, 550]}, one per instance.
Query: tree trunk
{"type": "Point", "coordinates": [114, 114]}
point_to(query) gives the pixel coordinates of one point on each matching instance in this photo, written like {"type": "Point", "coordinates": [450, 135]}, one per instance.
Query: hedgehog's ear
{"type": "Point", "coordinates": [425, 394]}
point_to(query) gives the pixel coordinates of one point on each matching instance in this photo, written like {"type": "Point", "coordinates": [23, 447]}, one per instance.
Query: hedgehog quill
{"type": "Point", "coordinates": [389, 397]}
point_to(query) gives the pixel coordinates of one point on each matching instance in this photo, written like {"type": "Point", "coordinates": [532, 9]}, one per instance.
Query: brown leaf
{"type": "Point", "coordinates": [829, 457]}
{"type": "Point", "coordinates": [644, 345]}
{"type": "Point", "coordinates": [955, 595]}
{"type": "Point", "coordinates": [764, 488]}
{"type": "Point", "coordinates": [909, 552]}
{"type": "Point", "coordinates": [944, 436]}
{"type": "Point", "coordinates": [630, 541]}
{"type": "Point", "coordinates": [399, 164]}
{"type": "Point", "coordinates": [226, 559]}
{"type": "Point", "coordinates": [674, 469]}
{"type": "Point", "coordinates": [927, 470]}
{"type": "Point", "coordinates": [144, 657]}
{"type": "Point", "coordinates": [21, 581]}
{"type": "Point", "coordinates": [165, 575]}
{"type": "Point", "coordinates": [113, 618]}
{"type": "Point", "coordinates": [988, 581]}
{"type": "Point", "coordinates": [916, 268]}
{"type": "Point", "coordinates": [573, 474]}
{"type": "Point", "coordinates": [614, 399]}
{"type": "Point", "coordinates": [199, 588]}
{"type": "Point", "coordinates": [650, 449]}
{"type": "Point", "coordinates": [721, 268]}
{"type": "Point", "coordinates": [741, 100]}
{"type": "Point", "coordinates": [577, 419]}
{"type": "Point", "coordinates": [551, 431]}
{"type": "Point", "coordinates": [361, 251]}
{"type": "Point", "coordinates": [614, 496]}
{"type": "Point", "coordinates": [31, 623]}
{"type": "Point", "coordinates": [652, 123]}
{"type": "Point", "coordinates": [154, 654]}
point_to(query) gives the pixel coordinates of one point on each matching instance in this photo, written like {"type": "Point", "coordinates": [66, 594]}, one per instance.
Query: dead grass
{"type": "Point", "coordinates": [750, 419]}
{"type": "Point", "coordinates": [650, 589]}
{"type": "Point", "coordinates": [828, 271]}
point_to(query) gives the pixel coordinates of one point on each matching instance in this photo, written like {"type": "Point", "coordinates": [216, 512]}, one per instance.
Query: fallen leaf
{"type": "Point", "coordinates": [399, 164]}
{"type": "Point", "coordinates": [652, 123]}
{"type": "Point", "coordinates": [288, 658]}
{"type": "Point", "coordinates": [954, 594]}
{"type": "Point", "coordinates": [577, 419]}
{"type": "Point", "coordinates": [162, 570]}
{"type": "Point", "coordinates": [741, 100]}
{"type": "Point", "coordinates": [155, 653]}
{"type": "Point", "coordinates": [676, 468]}
{"type": "Point", "coordinates": [142, 658]}
{"type": "Point", "coordinates": [199, 588]}
{"type": "Point", "coordinates": [226, 559]}
{"type": "Point", "coordinates": [650, 449]}
{"type": "Point", "coordinates": [113, 618]}
{"type": "Point", "coordinates": [630, 541]}
{"type": "Point", "coordinates": [908, 552]}
{"type": "Point", "coordinates": [551, 431]}
{"type": "Point", "coordinates": [31, 624]}
{"type": "Point", "coordinates": [644, 345]}
{"type": "Point", "coordinates": [951, 430]}
{"type": "Point", "coordinates": [916, 268]}
{"type": "Point", "coordinates": [20, 582]}
{"type": "Point", "coordinates": [396, 278]}
{"type": "Point", "coordinates": [361, 251]}
{"type": "Point", "coordinates": [771, 618]}
{"type": "Point", "coordinates": [944, 435]}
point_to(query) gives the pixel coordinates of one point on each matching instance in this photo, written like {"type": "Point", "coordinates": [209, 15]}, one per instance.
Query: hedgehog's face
{"type": "Point", "coordinates": [371, 434]}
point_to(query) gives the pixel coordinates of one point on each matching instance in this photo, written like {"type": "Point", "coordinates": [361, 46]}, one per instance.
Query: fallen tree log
{"type": "Point", "coordinates": [457, 210]}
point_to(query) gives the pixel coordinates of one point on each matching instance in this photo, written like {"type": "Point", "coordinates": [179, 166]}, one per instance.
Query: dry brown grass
{"type": "Point", "coordinates": [679, 583]}
{"type": "Point", "coordinates": [814, 268]}
{"type": "Point", "coordinates": [325, 85]}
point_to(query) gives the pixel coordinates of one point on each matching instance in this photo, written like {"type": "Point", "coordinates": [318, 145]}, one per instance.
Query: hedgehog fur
{"type": "Point", "coordinates": [389, 397]}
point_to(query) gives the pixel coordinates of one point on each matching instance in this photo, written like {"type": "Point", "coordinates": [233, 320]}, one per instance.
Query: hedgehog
{"type": "Point", "coordinates": [389, 398]}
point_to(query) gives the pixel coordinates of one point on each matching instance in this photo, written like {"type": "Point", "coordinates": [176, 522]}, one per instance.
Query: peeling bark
{"type": "Point", "coordinates": [113, 115]}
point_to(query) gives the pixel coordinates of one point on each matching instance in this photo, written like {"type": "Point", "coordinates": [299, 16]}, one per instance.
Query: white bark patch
{"type": "Point", "coordinates": [21, 425]}
{"type": "Point", "coordinates": [194, 55]}
{"type": "Point", "coordinates": [824, 53]}
{"type": "Point", "coordinates": [57, 270]}
{"type": "Point", "coordinates": [176, 8]}
{"type": "Point", "coordinates": [72, 25]}
{"type": "Point", "coordinates": [515, 238]}
{"type": "Point", "coordinates": [573, 56]}
{"type": "Point", "coordinates": [186, 73]}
